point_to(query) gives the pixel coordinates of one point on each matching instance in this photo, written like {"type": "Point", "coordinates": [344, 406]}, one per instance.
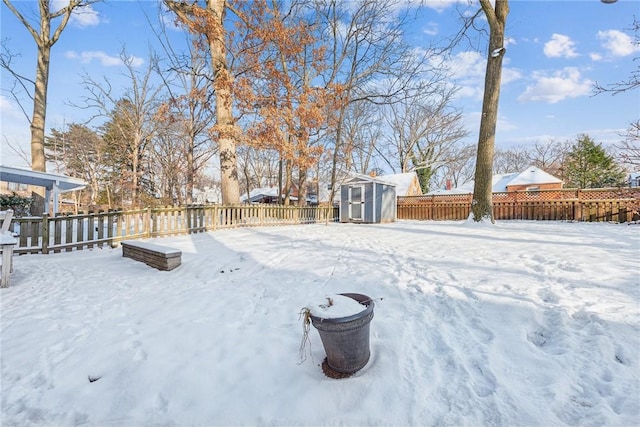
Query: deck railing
{"type": "Point", "coordinates": [75, 232]}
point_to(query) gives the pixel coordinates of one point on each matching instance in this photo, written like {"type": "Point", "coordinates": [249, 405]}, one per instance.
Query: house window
{"type": "Point", "coordinates": [533, 190]}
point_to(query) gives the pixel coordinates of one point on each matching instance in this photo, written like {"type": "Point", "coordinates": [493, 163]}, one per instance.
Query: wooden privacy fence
{"type": "Point", "coordinates": [68, 232]}
{"type": "Point", "coordinates": [619, 204]}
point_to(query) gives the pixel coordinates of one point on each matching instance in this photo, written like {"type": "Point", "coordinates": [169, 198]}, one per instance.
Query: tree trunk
{"type": "Point", "coordinates": [40, 107]}
{"type": "Point", "coordinates": [302, 187]}
{"type": "Point", "coordinates": [482, 206]}
{"type": "Point", "coordinates": [190, 169]}
{"type": "Point", "coordinates": [224, 108]}
{"type": "Point", "coordinates": [288, 179]}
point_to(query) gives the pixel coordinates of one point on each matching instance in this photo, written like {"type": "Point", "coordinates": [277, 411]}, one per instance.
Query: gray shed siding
{"type": "Point", "coordinates": [378, 202]}
{"type": "Point", "coordinates": [344, 203]}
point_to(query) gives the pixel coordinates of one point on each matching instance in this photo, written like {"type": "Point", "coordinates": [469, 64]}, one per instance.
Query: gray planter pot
{"type": "Point", "coordinates": [346, 339]}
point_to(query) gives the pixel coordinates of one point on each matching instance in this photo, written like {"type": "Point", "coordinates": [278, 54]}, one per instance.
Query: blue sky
{"type": "Point", "coordinates": [556, 51]}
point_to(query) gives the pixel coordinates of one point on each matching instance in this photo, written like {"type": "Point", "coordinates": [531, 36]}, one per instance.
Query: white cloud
{"type": "Point", "coordinates": [85, 17]}
{"type": "Point", "coordinates": [563, 84]}
{"type": "Point", "coordinates": [9, 109]}
{"type": "Point", "coordinates": [560, 46]}
{"type": "Point", "coordinates": [468, 70]}
{"type": "Point", "coordinates": [509, 75]}
{"type": "Point", "coordinates": [106, 60]}
{"type": "Point", "coordinates": [439, 5]}
{"type": "Point", "coordinates": [82, 17]}
{"type": "Point", "coordinates": [595, 56]}
{"type": "Point", "coordinates": [431, 29]}
{"type": "Point", "coordinates": [618, 43]}
{"type": "Point", "coordinates": [467, 64]}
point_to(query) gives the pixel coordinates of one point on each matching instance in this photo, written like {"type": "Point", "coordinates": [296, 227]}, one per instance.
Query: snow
{"type": "Point", "coordinates": [519, 323]}
{"type": "Point", "coordinates": [533, 175]}
{"type": "Point", "coordinates": [530, 176]}
{"type": "Point", "coordinates": [258, 193]}
{"type": "Point", "coordinates": [402, 181]}
{"type": "Point", "coordinates": [153, 247]}
{"type": "Point", "coordinates": [335, 306]}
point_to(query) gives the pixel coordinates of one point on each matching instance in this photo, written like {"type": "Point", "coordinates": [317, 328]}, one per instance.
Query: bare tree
{"type": "Point", "coordinates": [482, 206]}
{"type": "Point", "coordinates": [368, 59]}
{"type": "Point", "coordinates": [189, 109]}
{"type": "Point", "coordinates": [363, 134]}
{"type": "Point", "coordinates": [208, 21]}
{"type": "Point", "coordinates": [629, 147]}
{"type": "Point", "coordinates": [510, 160]}
{"type": "Point", "coordinates": [458, 169]}
{"type": "Point", "coordinates": [633, 81]}
{"type": "Point", "coordinates": [133, 116]}
{"type": "Point", "coordinates": [549, 156]}
{"type": "Point", "coordinates": [259, 167]}
{"type": "Point", "coordinates": [45, 40]}
{"type": "Point", "coordinates": [425, 132]}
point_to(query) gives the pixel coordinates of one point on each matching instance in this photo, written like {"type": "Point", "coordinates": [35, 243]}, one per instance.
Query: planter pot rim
{"type": "Point", "coordinates": [361, 298]}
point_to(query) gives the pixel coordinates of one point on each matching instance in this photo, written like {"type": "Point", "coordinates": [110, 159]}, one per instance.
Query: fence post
{"type": "Point", "coordinates": [188, 211]}
{"type": "Point", "coordinates": [45, 233]}
{"type": "Point", "coordinates": [147, 222]}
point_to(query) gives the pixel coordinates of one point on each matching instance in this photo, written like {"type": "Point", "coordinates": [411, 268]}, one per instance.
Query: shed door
{"type": "Point", "coordinates": [356, 205]}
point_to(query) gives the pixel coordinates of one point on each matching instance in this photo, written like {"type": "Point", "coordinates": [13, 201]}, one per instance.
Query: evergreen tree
{"type": "Point", "coordinates": [80, 152]}
{"type": "Point", "coordinates": [588, 165]}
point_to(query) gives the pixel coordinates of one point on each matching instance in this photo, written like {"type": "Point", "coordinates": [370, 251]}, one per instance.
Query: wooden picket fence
{"type": "Point", "coordinates": [613, 204]}
{"type": "Point", "coordinates": [76, 232]}
{"type": "Point", "coordinates": [66, 233]}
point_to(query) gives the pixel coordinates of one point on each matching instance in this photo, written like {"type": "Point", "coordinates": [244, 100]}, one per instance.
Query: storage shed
{"type": "Point", "coordinates": [366, 199]}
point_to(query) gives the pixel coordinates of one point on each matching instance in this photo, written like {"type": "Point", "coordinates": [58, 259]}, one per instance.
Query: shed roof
{"type": "Point", "coordinates": [356, 178]}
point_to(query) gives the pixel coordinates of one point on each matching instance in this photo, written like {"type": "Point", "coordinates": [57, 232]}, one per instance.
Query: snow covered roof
{"type": "Point", "coordinates": [402, 181]}
{"type": "Point", "coordinates": [530, 176]}
{"type": "Point", "coordinates": [259, 193]}
{"type": "Point", "coordinates": [442, 191]}
{"type": "Point", "coordinates": [534, 175]}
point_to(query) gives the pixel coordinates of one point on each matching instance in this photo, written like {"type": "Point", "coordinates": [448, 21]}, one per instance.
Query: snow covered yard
{"type": "Point", "coordinates": [522, 323]}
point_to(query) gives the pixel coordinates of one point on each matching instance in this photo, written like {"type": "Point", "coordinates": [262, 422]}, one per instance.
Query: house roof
{"type": "Point", "coordinates": [259, 193]}
{"type": "Point", "coordinates": [533, 175]}
{"type": "Point", "coordinates": [530, 176]}
{"type": "Point", "coordinates": [402, 181]}
{"type": "Point", "coordinates": [442, 191]}
{"type": "Point", "coordinates": [41, 179]}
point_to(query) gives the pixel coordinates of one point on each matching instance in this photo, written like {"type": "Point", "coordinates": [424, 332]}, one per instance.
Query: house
{"type": "Point", "coordinates": [208, 195]}
{"type": "Point", "coordinates": [267, 195]}
{"type": "Point", "coordinates": [634, 179]}
{"type": "Point", "coordinates": [531, 179]}
{"type": "Point", "coordinates": [367, 199]}
{"type": "Point", "coordinates": [407, 184]}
